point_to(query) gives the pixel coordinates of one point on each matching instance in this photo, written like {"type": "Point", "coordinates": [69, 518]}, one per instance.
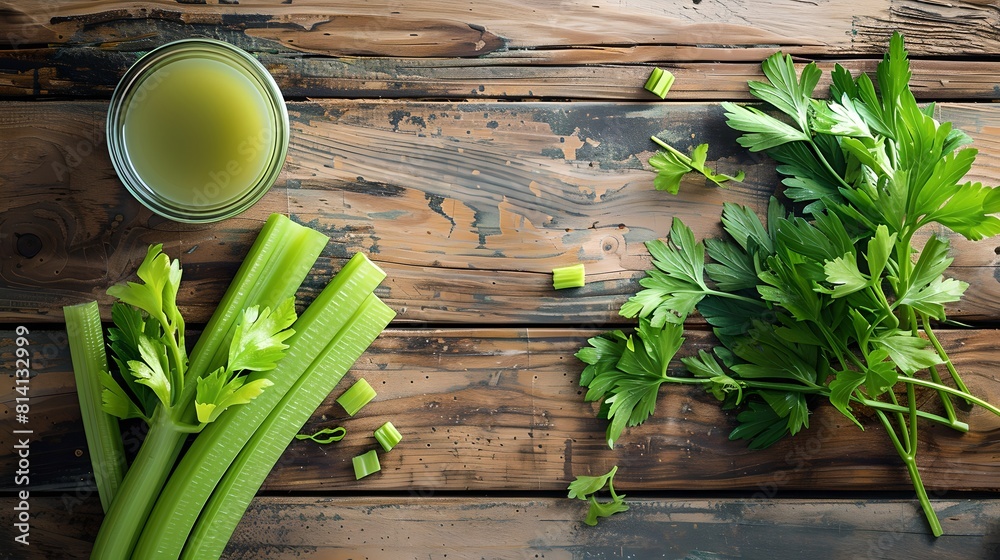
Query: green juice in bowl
{"type": "Point", "coordinates": [197, 130]}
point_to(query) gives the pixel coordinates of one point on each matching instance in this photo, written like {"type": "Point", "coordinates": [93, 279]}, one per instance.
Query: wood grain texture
{"type": "Point", "coordinates": [86, 71]}
{"type": "Point", "coordinates": [501, 410]}
{"type": "Point", "coordinates": [440, 527]}
{"type": "Point", "coordinates": [468, 206]}
{"type": "Point", "coordinates": [544, 32]}
{"type": "Point", "coordinates": [411, 144]}
{"type": "Point", "coordinates": [561, 49]}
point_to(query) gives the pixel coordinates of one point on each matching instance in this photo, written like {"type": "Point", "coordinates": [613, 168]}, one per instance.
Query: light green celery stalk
{"type": "Point", "coordinates": [273, 270]}
{"type": "Point", "coordinates": [233, 495]}
{"type": "Point", "coordinates": [104, 438]}
{"type": "Point", "coordinates": [206, 461]}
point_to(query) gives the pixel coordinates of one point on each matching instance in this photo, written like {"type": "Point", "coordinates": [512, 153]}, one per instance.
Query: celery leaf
{"type": "Point", "coordinates": [258, 342]}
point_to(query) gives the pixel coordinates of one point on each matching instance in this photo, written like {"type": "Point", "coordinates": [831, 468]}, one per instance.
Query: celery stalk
{"type": "Point", "coordinates": [217, 445]}
{"type": "Point", "coordinates": [123, 521]}
{"type": "Point", "coordinates": [275, 267]}
{"type": "Point", "coordinates": [104, 438]}
{"type": "Point", "coordinates": [245, 476]}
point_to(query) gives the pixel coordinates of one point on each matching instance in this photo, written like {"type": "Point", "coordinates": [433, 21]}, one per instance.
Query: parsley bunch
{"type": "Point", "coordinates": [833, 302]}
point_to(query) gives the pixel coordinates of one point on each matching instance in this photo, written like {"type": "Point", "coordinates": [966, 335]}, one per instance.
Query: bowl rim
{"type": "Point", "coordinates": [134, 78]}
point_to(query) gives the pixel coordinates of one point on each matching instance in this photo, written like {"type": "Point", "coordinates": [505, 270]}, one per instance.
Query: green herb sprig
{"type": "Point", "coordinates": [834, 302]}
{"type": "Point", "coordinates": [586, 488]}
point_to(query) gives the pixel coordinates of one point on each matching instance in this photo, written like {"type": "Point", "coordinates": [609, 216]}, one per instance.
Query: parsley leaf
{"type": "Point", "coordinates": [586, 487]}
{"type": "Point", "coordinates": [759, 424]}
{"type": "Point", "coordinates": [765, 131]}
{"type": "Point", "coordinates": [677, 283]}
{"type": "Point", "coordinates": [625, 372]}
{"type": "Point", "coordinates": [785, 90]}
{"type": "Point", "coordinates": [671, 165]}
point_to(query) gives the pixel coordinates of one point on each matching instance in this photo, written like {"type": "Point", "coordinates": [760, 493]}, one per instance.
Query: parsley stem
{"type": "Point", "coordinates": [911, 398]}
{"type": "Point", "coordinates": [737, 297]}
{"type": "Point", "coordinates": [944, 355]}
{"type": "Point", "coordinates": [669, 148]}
{"type": "Point", "coordinates": [968, 397]}
{"type": "Point", "coordinates": [955, 424]}
{"type": "Point", "coordinates": [611, 485]}
{"type": "Point", "coordinates": [888, 407]}
{"type": "Point", "coordinates": [839, 349]}
{"type": "Point", "coordinates": [902, 422]}
{"type": "Point", "coordinates": [893, 407]}
{"type": "Point", "coordinates": [911, 467]}
{"type": "Point", "coordinates": [949, 407]}
{"type": "Point", "coordinates": [925, 502]}
{"type": "Point", "coordinates": [827, 166]}
{"type": "Point", "coordinates": [891, 433]}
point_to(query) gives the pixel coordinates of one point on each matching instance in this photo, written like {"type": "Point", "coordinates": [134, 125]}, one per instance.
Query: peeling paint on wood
{"type": "Point", "coordinates": [473, 208]}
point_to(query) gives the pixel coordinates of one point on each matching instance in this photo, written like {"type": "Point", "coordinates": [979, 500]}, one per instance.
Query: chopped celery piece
{"type": "Point", "coordinates": [571, 276]}
{"type": "Point", "coordinates": [366, 464]}
{"type": "Point", "coordinates": [659, 82]}
{"type": "Point", "coordinates": [331, 435]}
{"type": "Point", "coordinates": [245, 476]}
{"type": "Point", "coordinates": [388, 436]}
{"type": "Point", "coordinates": [215, 448]}
{"type": "Point", "coordinates": [355, 398]}
{"type": "Point", "coordinates": [104, 438]}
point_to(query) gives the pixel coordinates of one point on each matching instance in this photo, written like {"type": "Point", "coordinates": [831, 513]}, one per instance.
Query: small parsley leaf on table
{"type": "Point", "coordinates": [586, 487]}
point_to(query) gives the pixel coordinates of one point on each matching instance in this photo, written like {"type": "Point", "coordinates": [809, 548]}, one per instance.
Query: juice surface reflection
{"type": "Point", "coordinates": [198, 132]}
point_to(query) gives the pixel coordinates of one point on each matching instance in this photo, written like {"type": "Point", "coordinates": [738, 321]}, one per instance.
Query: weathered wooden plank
{"type": "Point", "coordinates": [550, 31]}
{"type": "Point", "coordinates": [403, 527]}
{"type": "Point", "coordinates": [468, 206]}
{"type": "Point", "coordinates": [501, 409]}
{"type": "Point", "coordinates": [92, 71]}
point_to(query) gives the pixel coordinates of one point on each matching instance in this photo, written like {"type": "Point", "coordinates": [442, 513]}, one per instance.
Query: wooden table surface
{"type": "Point", "coordinates": [468, 147]}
